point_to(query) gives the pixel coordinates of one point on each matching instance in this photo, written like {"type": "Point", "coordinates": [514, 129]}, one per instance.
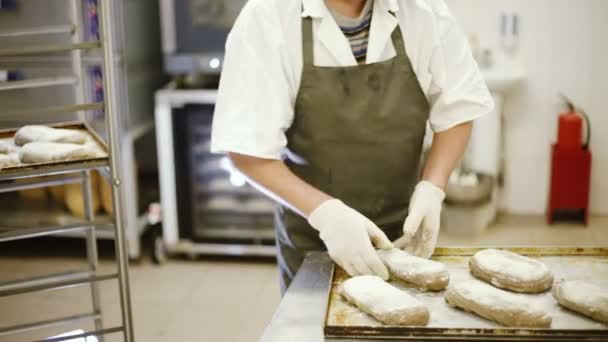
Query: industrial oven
{"type": "Point", "coordinates": [194, 33]}
{"type": "Point", "coordinates": [207, 206]}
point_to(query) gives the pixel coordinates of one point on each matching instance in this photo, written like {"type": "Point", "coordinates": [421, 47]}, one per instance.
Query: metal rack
{"type": "Point", "coordinates": [138, 57]}
{"type": "Point", "coordinates": [74, 172]}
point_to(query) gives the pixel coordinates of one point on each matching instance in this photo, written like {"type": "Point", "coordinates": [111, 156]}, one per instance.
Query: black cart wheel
{"type": "Point", "coordinates": [159, 250]}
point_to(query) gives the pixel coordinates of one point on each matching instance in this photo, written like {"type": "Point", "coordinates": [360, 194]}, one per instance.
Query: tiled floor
{"type": "Point", "coordinates": [222, 300]}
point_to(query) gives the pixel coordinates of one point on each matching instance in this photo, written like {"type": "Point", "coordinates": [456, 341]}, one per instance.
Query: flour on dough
{"type": "Point", "coordinates": [511, 271]}
{"type": "Point", "coordinates": [7, 146]}
{"type": "Point", "coordinates": [4, 147]}
{"type": "Point", "coordinates": [384, 302]}
{"type": "Point", "coordinates": [40, 133]}
{"type": "Point", "coordinates": [584, 298]}
{"type": "Point", "coordinates": [506, 308]}
{"type": "Point", "coordinates": [424, 274]}
{"type": "Point", "coordinates": [8, 160]}
{"type": "Point", "coordinates": [48, 152]}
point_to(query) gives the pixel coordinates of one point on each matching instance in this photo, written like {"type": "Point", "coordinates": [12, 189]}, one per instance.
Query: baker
{"type": "Point", "coordinates": [324, 105]}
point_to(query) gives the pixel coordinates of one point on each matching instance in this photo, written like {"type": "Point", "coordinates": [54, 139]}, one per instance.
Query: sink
{"type": "Point", "coordinates": [502, 80]}
{"type": "Point", "coordinates": [485, 149]}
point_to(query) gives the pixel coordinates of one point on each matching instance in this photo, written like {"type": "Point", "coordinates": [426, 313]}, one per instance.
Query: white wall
{"type": "Point", "coordinates": [563, 48]}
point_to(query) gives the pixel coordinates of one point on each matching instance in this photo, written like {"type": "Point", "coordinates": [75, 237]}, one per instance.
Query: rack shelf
{"type": "Point", "coordinates": [53, 169]}
{"type": "Point", "coordinates": [37, 31]}
{"type": "Point", "coordinates": [49, 323]}
{"type": "Point", "coordinates": [55, 110]}
{"type": "Point", "coordinates": [46, 49]}
{"type": "Point", "coordinates": [39, 83]}
{"type": "Point", "coordinates": [99, 332]}
{"type": "Point", "coordinates": [30, 183]}
{"type": "Point", "coordinates": [16, 234]}
{"type": "Point", "coordinates": [53, 282]}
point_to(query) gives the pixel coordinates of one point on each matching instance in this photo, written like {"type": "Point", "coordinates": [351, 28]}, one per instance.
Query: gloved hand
{"type": "Point", "coordinates": [348, 236]}
{"type": "Point", "coordinates": [421, 227]}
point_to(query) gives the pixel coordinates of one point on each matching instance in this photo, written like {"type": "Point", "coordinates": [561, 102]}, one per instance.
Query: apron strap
{"type": "Point", "coordinates": [307, 42]}
{"type": "Point", "coordinates": [398, 42]}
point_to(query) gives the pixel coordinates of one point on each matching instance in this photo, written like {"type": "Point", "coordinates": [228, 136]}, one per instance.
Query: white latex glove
{"type": "Point", "coordinates": [348, 236]}
{"type": "Point", "coordinates": [421, 227]}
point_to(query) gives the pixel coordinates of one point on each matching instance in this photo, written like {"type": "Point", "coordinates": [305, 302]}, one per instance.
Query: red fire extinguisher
{"type": "Point", "coordinates": [570, 167]}
{"type": "Point", "coordinates": [570, 131]}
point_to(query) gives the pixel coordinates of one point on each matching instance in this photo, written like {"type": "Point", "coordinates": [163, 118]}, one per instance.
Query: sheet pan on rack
{"type": "Point", "coordinates": [43, 169]}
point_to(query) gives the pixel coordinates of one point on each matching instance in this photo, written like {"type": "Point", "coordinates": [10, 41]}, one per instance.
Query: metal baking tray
{"type": "Point", "coordinates": [46, 169]}
{"type": "Point", "coordinates": [447, 323]}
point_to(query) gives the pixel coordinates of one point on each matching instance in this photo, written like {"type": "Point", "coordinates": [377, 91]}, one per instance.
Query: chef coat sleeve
{"type": "Point", "coordinates": [458, 92]}
{"type": "Point", "coordinates": [255, 100]}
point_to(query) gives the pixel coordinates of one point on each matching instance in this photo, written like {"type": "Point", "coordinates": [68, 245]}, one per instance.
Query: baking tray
{"type": "Point", "coordinates": [46, 169]}
{"type": "Point", "coordinates": [345, 321]}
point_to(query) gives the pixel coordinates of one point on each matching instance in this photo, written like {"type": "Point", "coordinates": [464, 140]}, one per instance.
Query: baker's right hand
{"type": "Point", "coordinates": [348, 236]}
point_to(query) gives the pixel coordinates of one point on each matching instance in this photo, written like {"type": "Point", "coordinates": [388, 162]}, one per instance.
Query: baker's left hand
{"type": "Point", "coordinates": [421, 227]}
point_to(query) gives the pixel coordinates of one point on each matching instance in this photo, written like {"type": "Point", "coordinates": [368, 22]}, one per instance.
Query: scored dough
{"type": "Point", "coordinates": [39, 133]}
{"type": "Point", "coordinates": [503, 307]}
{"type": "Point", "coordinates": [511, 271]}
{"type": "Point", "coordinates": [584, 298]}
{"type": "Point", "coordinates": [424, 274]}
{"type": "Point", "coordinates": [48, 152]}
{"type": "Point", "coordinates": [384, 302]}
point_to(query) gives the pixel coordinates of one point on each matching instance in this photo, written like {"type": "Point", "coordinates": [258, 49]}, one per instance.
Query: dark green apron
{"type": "Point", "coordinates": [357, 135]}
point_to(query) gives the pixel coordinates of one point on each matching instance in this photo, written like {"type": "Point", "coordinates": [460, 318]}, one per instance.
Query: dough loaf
{"type": "Point", "coordinates": [424, 274]}
{"type": "Point", "coordinates": [7, 146]}
{"type": "Point", "coordinates": [384, 302]}
{"type": "Point", "coordinates": [48, 152]}
{"type": "Point", "coordinates": [9, 160]}
{"type": "Point", "coordinates": [584, 298]}
{"type": "Point", "coordinates": [511, 271]}
{"type": "Point", "coordinates": [3, 147]}
{"type": "Point", "coordinates": [508, 309]}
{"type": "Point", "coordinates": [39, 133]}
{"type": "Point", "coordinates": [74, 200]}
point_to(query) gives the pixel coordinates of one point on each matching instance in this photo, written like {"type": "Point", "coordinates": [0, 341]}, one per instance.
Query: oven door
{"type": "Point", "coordinates": [214, 202]}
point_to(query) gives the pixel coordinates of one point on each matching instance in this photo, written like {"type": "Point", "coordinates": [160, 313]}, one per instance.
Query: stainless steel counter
{"type": "Point", "coordinates": [300, 316]}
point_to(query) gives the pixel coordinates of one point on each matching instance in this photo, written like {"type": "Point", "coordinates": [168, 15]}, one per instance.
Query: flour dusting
{"type": "Point", "coordinates": [423, 273]}
{"type": "Point", "coordinates": [384, 302]}
{"type": "Point", "coordinates": [583, 297]}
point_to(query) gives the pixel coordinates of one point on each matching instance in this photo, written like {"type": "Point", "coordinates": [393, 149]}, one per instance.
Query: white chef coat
{"type": "Point", "coordinates": [263, 67]}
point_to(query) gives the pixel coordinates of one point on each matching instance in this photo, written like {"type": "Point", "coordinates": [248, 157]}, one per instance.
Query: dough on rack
{"type": "Point", "coordinates": [511, 271]}
{"type": "Point", "coordinates": [505, 308]}
{"type": "Point", "coordinates": [49, 152]}
{"type": "Point", "coordinates": [424, 274]}
{"type": "Point", "coordinates": [40, 133]}
{"type": "Point", "coordinates": [384, 302]}
{"type": "Point", "coordinates": [584, 298]}
{"type": "Point", "coordinates": [8, 160]}
{"type": "Point", "coordinates": [7, 146]}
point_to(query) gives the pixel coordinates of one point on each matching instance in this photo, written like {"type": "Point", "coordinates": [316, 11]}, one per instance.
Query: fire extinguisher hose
{"type": "Point", "coordinates": [588, 127]}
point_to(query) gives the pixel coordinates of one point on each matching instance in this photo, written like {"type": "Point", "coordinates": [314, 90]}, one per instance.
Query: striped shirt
{"type": "Point", "coordinates": [356, 30]}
